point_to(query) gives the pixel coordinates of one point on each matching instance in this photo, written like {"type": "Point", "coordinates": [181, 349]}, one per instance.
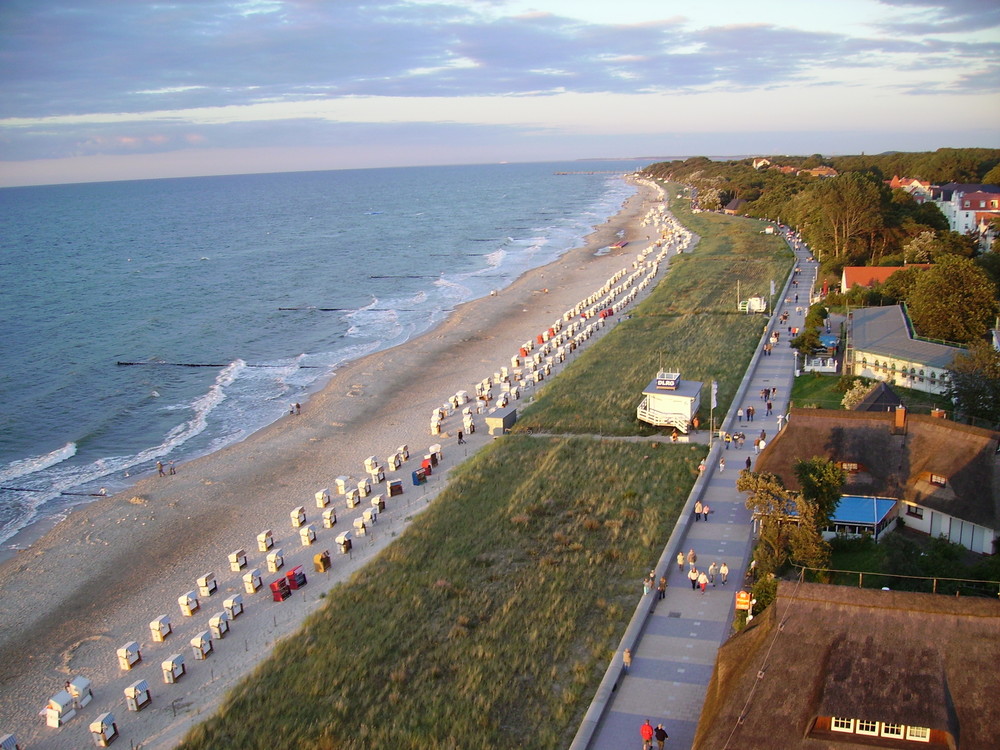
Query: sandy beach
{"type": "Point", "coordinates": [95, 581]}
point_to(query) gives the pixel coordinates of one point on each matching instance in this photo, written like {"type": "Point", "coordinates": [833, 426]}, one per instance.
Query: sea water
{"type": "Point", "coordinates": [272, 280]}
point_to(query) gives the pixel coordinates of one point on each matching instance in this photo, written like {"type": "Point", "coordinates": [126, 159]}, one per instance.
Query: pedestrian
{"type": "Point", "coordinates": [661, 588]}
{"type": "Point", "coordinates": [692, 557]}
{"type": "Point", "coordinates": [693, 577]}
{"type": "Point", "coordinates": [461, 438]}
{"type": "Point", "coordinates": [645, 586]}
{"type": "Point", "coordinates": [740, 439]}
{"type": "Point", "coordinates": [763, 434]}
{"type": "Point", "coordinates": [763, 444]}
{"type": "Point", "coordinates": [701, 467]}
{"type": "Point", "coordinates": [661, 736]}
{"type": "Point", "coordinates": [728, 439]}
{"type": "Point", "coordinates": [724, 573]}
{"type": "Point", "coordinates": [713, 569]}
{"type": "Point", "coordinates": [781, 418]}
{"type": "Point", "coordinates": [739, 415]}
{"type": "Point", "coordinates": [159, 469]}
{"type": "Point", "coordinates": [749, 463]}
{"type": "Point", "coordinates": [722, 465]}
{"type": "Point", "coordinates": [298, 408]}
{"type": "Point", "coordinates": [756, 446]}
{"type": "Point", "coordinates": [702, 581]}
{"type": "Point", "coordinates": [697, 510]}
{"type": "Point", "coordinates": [705, 510]}
{"type": "Point", "coordinates": [680, 561]}
{"type": "Point", "coordinates": [695, 422]}
{"type": "Point", "coordinates": [627, 660]}
{"type": "Point", "coordinates": [753, 570]}
{"type": "Point", "coordinates": [647, 735]}
{"type": "Point", "coordinates": [291, 409]}
{"type": "Point", "coordinates": [173, 469]}
{"type": "Point", "coordinates": [750, 412]}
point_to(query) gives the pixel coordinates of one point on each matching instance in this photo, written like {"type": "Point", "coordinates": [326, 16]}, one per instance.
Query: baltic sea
{"type": "Point", "coordinates": [271, 280]}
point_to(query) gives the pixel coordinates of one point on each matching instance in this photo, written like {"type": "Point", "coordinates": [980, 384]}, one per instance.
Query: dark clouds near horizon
{"type": "Point", "coordinates": [107, 56]}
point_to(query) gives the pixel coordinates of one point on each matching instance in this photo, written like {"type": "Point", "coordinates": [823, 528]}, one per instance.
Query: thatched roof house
{"type": "Point", "coordinates": [946, 475]}
{"type": "Point", "coordinates": [841, 667]}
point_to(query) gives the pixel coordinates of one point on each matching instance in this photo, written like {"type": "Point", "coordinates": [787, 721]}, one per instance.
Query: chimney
{"type": "Point", "coordinates": [899, 421]}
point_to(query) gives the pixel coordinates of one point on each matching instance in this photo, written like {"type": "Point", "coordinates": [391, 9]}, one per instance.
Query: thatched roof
{"type": "Point", "coordinates": [917, 659]}
{"type": "Point", "coordinates": [897, 465]}
{"type": "Point", "coordinates": [880, 398]}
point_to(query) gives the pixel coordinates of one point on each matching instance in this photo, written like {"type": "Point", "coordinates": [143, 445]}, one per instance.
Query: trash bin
{"type": "Point", "coordinates": [128, 656]}
{"type": "Point", "coordinates": [237, 560]}
{"type": "Point", "coordinates": [252, 581]}
{"type": "Point", "coordinates": [321, 561]}
{"type": "Point", "coordinates": [160, 628]}
{"type": "Point", "coordinates": [137, 695]}
{"type": "Point", "coordinates": [103, 729]}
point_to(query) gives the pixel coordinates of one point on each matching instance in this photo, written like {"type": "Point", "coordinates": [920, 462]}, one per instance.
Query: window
{"type": "Point", "coordinates": [915, 510]}
{"type": "Point", "coordinates": [850, 466]}
{"type": "Point", "coordinates": [891, 730]}
{"type": "Point", "coordinates": [922, 734]}
{"type": "Point", "coordinates": [840, 724]}
{"type": "Point", "coordinates": [867, 727]}
{"type": "Point", "coordinates": [939, 480]}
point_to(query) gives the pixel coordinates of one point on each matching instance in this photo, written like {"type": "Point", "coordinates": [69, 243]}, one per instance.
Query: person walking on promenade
{"type": "Point", "coordinates": [697, 510]}
{"type": "Point", "coordinates": [692, 557]}
{"type": "Point", "coordinates": [705, 510]}
{"type": "Point", "coordinates": [763, 444]}
{"type": "Point", "coordinates": [645, 586]}
{"type": "Point", "coordinates": [722, 465]}
{"type": "Point", "coordinates": [750, 412]}
{"type": "Point", "coordinates": [768, 412]}
{"type": "Point", "coordinates": [739, 415]}
{"type": "Point", "coordinates": [661, 588]}
{"type": "Point", "coordinates": [661, 736]}
{"type": "Point", "coordinates": [693, 577]}
{"type": "Point", "coordinates": [724, 573]}
{"type": "Point", "coordinates": [713, 569]}
{"type": "Point", "coordinates": [627, 660]}
{"type": "Point", "coordinates": [646, 732]}
{"type": "Point", "coordinates": [461, 438]}
{"type": "Point", "coordinates": [701, 467]}
{"type": "Point", "coordinates": [702, 581]}
{"type": "Point", "coordinates": [680, 561]}
{"type": "Point", "coordinates": [749, 463]}
{"type": "Point", "coordinates": [728, 439]}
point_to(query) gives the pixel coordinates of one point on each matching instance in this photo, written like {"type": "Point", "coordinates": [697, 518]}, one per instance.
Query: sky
{"type": "Point", "coordinates": [94, 90]}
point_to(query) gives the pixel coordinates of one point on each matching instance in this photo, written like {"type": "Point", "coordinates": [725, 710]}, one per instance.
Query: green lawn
{"type": "Point", "coordinates": [815, 390]}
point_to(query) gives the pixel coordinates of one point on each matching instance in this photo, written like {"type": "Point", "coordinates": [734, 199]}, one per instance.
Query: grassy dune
{"type": "Point", "coordinates": [490, 621]}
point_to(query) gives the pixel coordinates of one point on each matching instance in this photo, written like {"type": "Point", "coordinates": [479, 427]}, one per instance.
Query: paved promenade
{"type": "Point", "coordinates": [674, 641]}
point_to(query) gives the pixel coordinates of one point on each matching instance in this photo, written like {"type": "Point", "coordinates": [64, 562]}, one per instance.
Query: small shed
{"type": "Point", "coordinates": [502, 420]}
{"type": "Point", "coordinates": [669, 401]}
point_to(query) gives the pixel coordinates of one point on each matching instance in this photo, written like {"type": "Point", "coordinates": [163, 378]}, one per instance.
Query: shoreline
{"type": "Point", "coordinates": [93, 582]}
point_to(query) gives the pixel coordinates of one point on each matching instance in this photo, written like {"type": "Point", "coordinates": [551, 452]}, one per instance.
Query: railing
{"type": "Point", "coordinates": [661, 418]}
{"type": "Point", "coordinates": [973, 585]}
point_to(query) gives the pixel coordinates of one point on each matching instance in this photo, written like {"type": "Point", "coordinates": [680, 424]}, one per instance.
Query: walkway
{"type": "Point", "coordinates": [674, 641]}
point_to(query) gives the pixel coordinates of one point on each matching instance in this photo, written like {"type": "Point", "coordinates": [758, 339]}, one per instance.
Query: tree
{"type": "Point", "coordinates": [898, 286]}
{"type": "Point", "coordinates": [771, 505]}
{"type": "Point", "coordinates": [710, 199]}
{"type": "Point", "coordinates": [806, 545]}
{"type": "Point", "coordinates": [856, 393]}
{"type": "Point", "coordinates": [974, 382]}
{"type": "Point", "coordinates": [954, 300]}
{"type": "Point", "coordinates": [821, 480]}
{"type": "Point", "coordinates": [840, 213]}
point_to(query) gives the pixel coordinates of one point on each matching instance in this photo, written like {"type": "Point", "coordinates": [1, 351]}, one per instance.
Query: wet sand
{"type": "Point", "coordinates": [95, 581]}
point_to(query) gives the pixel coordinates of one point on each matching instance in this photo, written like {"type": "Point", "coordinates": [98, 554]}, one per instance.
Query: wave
{"type": "Point", "coordinates": [25, 466]}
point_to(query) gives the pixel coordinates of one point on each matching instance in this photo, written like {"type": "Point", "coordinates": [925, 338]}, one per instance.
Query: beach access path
{"type": "Point", "coordinates": [674, 640]}
{"type": "Point", "coordinates": [92, 584]}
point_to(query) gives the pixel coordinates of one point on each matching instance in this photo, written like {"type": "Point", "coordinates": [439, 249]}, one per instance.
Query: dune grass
{"type": "Point", "coordinates": [490, 621]}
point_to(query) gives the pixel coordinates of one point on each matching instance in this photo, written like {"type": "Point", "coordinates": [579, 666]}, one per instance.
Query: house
{"type": "Point", "coordinates": [879, 398]}
{"type": "Point", "coordinates": [853, 276]}
{"type": "Point", "coordinates": [921, 191]}
{"type": "Point", "coordinates": [734, 206]}
{"type": "Point", "coordinates": [881, 345]}
{"type": "Point", "coordinates": [943, 476]}
{"type": "Point", "coordinates": [959, 202]}
{"type": "Point", "coordinates": [669, 401]}
{"type": "Point", "coordinates": [761, 163]}
{"type": "Point", "coordinates": [842, 667]}
{"type": "Point", "coordinates": [820, 171]}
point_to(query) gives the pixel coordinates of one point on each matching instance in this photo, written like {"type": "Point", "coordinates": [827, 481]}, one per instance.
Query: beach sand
{"type": "Point", "coordinates": [95, 581]}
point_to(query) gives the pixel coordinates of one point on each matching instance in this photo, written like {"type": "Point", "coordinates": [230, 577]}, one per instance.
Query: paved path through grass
{"type": "Point", "coordinates": [674, 641]}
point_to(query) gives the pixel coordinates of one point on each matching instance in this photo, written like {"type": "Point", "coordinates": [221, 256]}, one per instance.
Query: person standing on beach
{"type": "Point", "coordinates": [173, 469]}
{"type": "Point", "coordinates": [159, 469]}
{"type": "Point", "coordinates": [461, 438]}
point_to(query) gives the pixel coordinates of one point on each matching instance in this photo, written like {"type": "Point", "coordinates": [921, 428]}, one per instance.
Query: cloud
{"type": "Point", "coordinates": [937, 17]}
